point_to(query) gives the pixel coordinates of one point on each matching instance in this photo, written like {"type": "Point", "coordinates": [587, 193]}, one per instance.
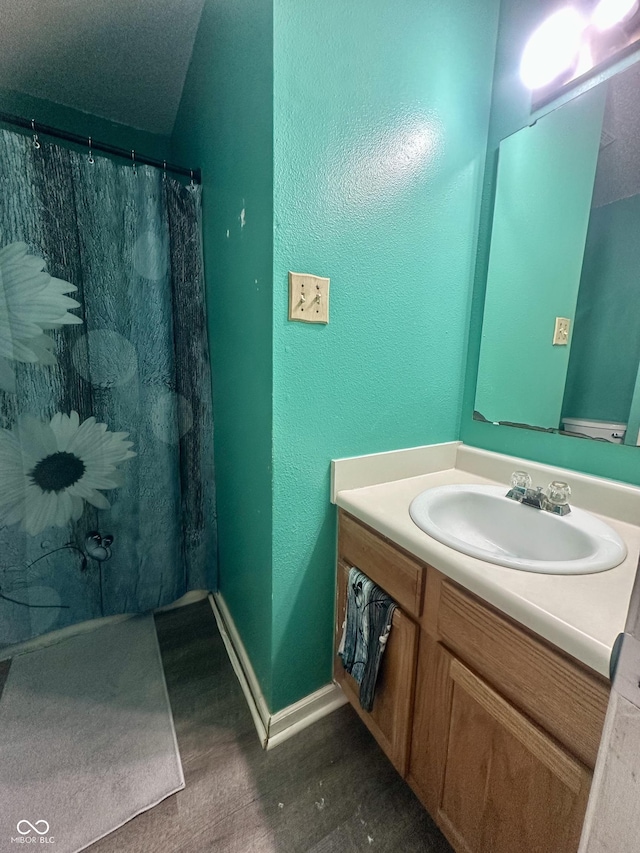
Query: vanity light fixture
{"type": "Point", "coordinates": [576, 39]}
{"type": "Point", "coordinates": [553, 48]}
{"type": "Point", "coordinates": [609, 13]}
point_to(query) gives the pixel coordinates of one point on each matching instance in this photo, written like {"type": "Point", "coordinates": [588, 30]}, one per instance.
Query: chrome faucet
{"type": "Point", "coordinates": [554, 499]}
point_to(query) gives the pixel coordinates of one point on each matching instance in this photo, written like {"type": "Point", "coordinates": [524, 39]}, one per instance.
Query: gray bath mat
{"type": "Point", "coordinates": [86, 738]}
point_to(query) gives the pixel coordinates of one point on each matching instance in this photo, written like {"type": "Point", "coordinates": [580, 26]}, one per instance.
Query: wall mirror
{"type": "Point", "coordinates": [560, 346]}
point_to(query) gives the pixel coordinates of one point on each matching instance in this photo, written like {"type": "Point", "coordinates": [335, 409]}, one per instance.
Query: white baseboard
{"type": "Point", "coordinates": [298, 716]}
{"type": "Point", "coordinates": [242, 667]}
{"type": "Point", "coordinates": [272, 729]}
{"type": "Point", "coordinates": [57, 636]}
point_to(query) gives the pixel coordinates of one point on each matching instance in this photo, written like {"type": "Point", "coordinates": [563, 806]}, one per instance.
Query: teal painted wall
{"type": "Point", "coordinates": [85, 124]}
{"type": "Point", "coordinates": [353, 138]}
{"type": "Point", "coordinates": [225, 125]}
{"type": "Point", "coordinates": [381, 117]}
{"type": "Point", "coordinates": [510, 111]}
{"type": "Point", "coordinates": [543, 200]}
{"type": "Point", "coordinates": [605, 351]}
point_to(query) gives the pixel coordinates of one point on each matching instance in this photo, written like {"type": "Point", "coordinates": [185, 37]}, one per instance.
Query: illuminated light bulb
{"type": "Point", "coordinates": [552, 48]}
{"type": "Point", "coordinates": [608, 13]}
{"type": "Point", "coordinates": [585, 60]}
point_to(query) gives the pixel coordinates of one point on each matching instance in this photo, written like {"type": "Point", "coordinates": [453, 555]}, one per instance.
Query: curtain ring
{"type": "Point", "coordinates": [36, 141]}
{"type": "Point", "coordinates": [192, 185]}
{"type": "Point", "coordinates": [133, 161]}
{"type": "Point", "coordinates": [164, 170]}
{"type": "Point", "coordinates": [90, 158]}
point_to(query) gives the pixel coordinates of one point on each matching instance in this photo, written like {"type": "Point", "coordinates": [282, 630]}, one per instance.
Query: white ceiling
{"type": "Point", "coordinates": [125, 60]}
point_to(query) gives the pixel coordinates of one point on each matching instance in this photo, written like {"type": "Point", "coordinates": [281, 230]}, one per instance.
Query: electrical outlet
{"type": "Point", "coordinates": [308, 298]}
{"type": "Point", "coordinates": [561, 332]}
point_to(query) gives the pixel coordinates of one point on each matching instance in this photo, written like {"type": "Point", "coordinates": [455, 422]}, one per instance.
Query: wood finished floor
{"type": "Point", "coordinates": [4, 672]}
{"type": "Point", "coordinates": [329, 789]}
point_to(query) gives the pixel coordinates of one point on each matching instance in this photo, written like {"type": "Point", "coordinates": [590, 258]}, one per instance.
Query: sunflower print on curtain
{"type": "Point", "coordinates": [107, 500]}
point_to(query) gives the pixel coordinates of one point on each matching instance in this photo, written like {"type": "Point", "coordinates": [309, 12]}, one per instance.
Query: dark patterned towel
{"type": "Point", "coordinates": [366, 629]}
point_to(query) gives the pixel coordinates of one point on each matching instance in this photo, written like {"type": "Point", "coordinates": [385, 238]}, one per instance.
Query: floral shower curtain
{"type": "Point", "coordinates": [106, 471]}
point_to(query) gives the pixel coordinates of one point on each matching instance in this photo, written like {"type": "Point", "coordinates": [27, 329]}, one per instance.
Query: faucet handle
{"type": "Point", "coordinates": [558, 494]}
{"type": "Point", "coordinates": [520, 485]}
{"type": "Point", "coordinates": [520, 481]}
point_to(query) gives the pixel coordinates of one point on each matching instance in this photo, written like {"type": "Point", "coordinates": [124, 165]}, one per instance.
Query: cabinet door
{"type": "Point", "coordinates": [563, 697]}
{"type": "Point", "coordinates": [390, 719]}
{"type": "Point", "coordinates": [430, 723]}
{"type": "Point", "coordinates": [507, 786]}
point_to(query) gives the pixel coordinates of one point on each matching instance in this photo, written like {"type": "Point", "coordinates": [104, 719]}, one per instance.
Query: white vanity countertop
{"type": "Point", "coordinates": [581, 614]}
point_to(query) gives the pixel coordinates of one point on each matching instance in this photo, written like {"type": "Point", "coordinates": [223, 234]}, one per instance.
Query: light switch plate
{"type": "Point", "coordinates": [308, 298]}
{"type": "Point", "coordinates": [561, 332]}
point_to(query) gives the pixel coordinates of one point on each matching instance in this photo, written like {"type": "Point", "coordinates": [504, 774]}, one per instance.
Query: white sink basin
{"type": "Point", "coordinates": [481, 522]}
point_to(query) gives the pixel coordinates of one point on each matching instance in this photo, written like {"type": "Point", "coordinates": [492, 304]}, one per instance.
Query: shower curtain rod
{"type": "Point", "coordinates": [93, 145]}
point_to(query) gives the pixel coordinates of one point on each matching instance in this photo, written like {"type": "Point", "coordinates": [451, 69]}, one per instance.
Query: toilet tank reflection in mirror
{"type": "Point", "coordinates": [565, 243]}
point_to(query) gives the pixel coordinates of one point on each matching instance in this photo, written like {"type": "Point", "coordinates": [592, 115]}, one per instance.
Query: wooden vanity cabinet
{"type": "Point", "coordinates": [495, 729]}
{"type": "Point", "coordinates": [391, 717]}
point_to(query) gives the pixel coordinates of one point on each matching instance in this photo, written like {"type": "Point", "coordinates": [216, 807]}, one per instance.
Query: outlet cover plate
{"type": "Point", "coordinates": [561, 332]}
{"type": "Point", "coordinates": [308, 298]}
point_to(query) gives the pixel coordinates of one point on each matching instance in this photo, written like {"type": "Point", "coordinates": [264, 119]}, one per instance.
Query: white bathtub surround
{"type": "Point", "coordinates": [272, 729]}
{"type": "Point", "coordinates": [581, 614]}
{"type": "Point", "coordinates": [53, 637]}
